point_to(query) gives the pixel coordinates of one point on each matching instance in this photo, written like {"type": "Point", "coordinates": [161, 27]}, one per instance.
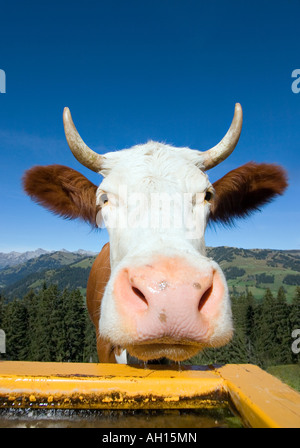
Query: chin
{"type": "Point", "coordinates": [174, 352]}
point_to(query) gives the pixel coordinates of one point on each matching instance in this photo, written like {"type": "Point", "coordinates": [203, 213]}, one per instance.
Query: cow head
{"type": "Point", "coordinates": [164, 298]}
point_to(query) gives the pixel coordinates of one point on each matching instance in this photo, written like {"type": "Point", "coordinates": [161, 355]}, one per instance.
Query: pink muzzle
{"type": "Point", "coordinates": [169, 301]}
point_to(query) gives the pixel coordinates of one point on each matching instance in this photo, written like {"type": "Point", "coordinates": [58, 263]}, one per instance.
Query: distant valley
{"type": "Point", "coordinates": [14, 258]}
{"type": "Point", "coordinates": [255, 269]}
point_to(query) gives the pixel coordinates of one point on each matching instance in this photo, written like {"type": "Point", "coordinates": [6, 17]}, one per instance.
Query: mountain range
{"type": "Point", "coordinates": [253, 269]}
{"type": "Point", "coordinates": [13, 258]}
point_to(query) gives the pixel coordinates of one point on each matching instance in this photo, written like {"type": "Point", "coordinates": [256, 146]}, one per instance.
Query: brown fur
{"type": "Point", "coordinates": [99, 276]}
{"type": "Point", "coordinates": [245, 189]}
{"type": "Point", "coordinates": [62, 190]}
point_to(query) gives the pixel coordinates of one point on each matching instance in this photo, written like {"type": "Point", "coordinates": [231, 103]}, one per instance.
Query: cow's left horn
{"type": "Point", "coordinates": [81, 151]}
{"type": "Point", "coordinates": [224, 148]}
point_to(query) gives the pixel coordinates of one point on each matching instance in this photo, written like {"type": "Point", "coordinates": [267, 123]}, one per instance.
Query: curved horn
{"type": "Point", "coordinates": [81, 151]}
{"type": "Point", "coordinates": [224, 148]}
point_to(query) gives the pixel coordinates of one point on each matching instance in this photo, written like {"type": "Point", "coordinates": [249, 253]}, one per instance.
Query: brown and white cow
{"type": "Point", "coordinates": [153, 292]}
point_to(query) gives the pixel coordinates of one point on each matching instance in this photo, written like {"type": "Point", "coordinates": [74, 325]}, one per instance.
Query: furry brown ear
{"type": "Point", "coordinates": [62, 190]}
{"type": "Point", "coordinates": [245, 189]}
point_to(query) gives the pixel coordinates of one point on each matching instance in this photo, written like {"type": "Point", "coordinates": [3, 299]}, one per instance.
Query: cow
{"type": "Point", "coordinates": [152, 292]}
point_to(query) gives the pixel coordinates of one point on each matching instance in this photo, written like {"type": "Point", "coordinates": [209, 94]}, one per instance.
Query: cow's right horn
{"type": "Point", "coordinates": [81, 151]}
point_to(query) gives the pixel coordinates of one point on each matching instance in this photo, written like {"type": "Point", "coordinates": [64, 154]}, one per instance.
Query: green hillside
{"type": "Point", "coordinates": [72, 275]}
{"type": "Point", "coordinates": [259, 269]}
{"type": "Point", "coordinates": [254, 270]}
{"type": "Point", "coordinates": [55, 260]}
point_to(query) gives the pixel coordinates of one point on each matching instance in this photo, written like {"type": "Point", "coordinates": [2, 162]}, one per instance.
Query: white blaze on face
{"type": "Point", "coordinates": [155, 206]}
{"type": "Point", "coordinates": [154, 191]}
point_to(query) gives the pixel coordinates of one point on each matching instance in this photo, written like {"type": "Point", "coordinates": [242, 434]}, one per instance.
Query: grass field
{"type": "Point", "coordinates": [253, 268]}
{"type": "Point", "coordinates": [289, 374]}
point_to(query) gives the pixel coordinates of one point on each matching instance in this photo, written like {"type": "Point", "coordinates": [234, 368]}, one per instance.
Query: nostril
{"type": "Point", "coordinates": [139, 294]}
{"type": "Point", "coordinates": [204, 298]}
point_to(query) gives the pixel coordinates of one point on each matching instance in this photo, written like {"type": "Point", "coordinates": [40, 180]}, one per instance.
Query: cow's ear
{"type": "Point", "coordinates": [245, 189]}
{"type": "Point", "coordinates": [62, 190]}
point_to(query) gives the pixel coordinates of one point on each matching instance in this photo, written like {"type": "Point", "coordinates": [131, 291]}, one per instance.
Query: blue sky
{"type": "Point", "coordinates": [138, 70]}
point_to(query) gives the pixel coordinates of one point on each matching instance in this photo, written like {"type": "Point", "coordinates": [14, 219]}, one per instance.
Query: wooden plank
{"type": "Point", "coordinates": [261, 399]}
{"type": "Point", "coordinates": [106, 386]}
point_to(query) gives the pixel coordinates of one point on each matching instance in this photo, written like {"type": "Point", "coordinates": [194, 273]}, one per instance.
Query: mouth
{"type": "Point", "coordinates": [175, 351]}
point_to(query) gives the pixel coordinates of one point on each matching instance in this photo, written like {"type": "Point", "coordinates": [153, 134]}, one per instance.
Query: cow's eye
{"type": "Point", "coordinates": [103, 199]}
{"type": "Point", "coordinates": [208, 196]}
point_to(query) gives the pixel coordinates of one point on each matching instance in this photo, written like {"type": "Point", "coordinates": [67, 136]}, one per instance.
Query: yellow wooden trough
{"type": "Point", "coordinates": [260, 399]}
